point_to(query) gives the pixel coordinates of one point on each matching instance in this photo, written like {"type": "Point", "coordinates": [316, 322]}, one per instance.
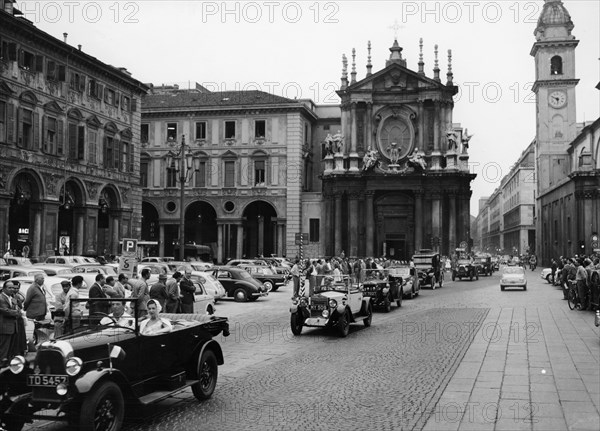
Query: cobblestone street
{"type": "Point", "coordinates": [466, 356]}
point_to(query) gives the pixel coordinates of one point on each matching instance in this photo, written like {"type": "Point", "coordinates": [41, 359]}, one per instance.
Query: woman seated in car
{"type": "Point", "coordinates": [154, 325]}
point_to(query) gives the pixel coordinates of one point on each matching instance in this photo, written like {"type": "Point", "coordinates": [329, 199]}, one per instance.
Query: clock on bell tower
{"type": "Point", "coordinates": [554, 87]}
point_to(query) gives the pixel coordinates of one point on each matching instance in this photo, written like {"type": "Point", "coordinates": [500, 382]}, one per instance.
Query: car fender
{"type": "Point", "coordinates": [91, 378]}
{"type": "Point", "coordinates": [216, 348]}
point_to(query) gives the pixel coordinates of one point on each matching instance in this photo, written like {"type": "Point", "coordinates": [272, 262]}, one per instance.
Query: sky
{"type": "Point", "coordinates": [294, 49]}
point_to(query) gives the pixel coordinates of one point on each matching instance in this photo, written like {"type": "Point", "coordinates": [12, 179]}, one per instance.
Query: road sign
{"type": "Point", "coordinates": [301, 238]}
{"type": "Point", "coordinates": [463, 244]}
{"type": "Point", "coordinates": [129, 247]}
{"type": "Point", "coordinates": [128, 266]}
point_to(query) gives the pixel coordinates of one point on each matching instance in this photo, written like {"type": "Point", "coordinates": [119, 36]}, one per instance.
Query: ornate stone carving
{"type": "Point", "coordinates": [52, 183]}
{"type": "Point", "coordinates": [259, 191]}
{"type": "Point", "coordinates": [200, 192]}
{"type": "Point", "coordinates": [92, 188]}
{"type": "Point", "coordinates": [124, 194]}
{"type": "Point", "coordinates": [229, 192]}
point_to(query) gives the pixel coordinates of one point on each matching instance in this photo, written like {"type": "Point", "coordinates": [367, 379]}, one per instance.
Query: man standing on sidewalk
{"type": "Point", "coordinates": [35, 303]}
{"type": "Point", "coordinates": [187, 292]}
{"type": "Point", "coordinates": [581, 280]}
{"type": "Point", "coordinates": [295, 271]}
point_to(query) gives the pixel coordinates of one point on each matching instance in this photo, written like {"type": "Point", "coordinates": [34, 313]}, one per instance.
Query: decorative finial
{"type": "Point", "coordinates": [436, 69]}
{"type": "Point", "coordinates": [421, 63]}
{"type": "Point", "coordinates": [369, 66]}
{"type": "Point", "coordinates": [449, 75]}
{"type": "Point", "coordinates": [344, 71]}
{"type": "Point", "coordinates": [353, 73]}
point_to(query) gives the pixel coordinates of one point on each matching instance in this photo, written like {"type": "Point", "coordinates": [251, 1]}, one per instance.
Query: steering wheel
{"type": "Point", "coordinates": [100, 313]}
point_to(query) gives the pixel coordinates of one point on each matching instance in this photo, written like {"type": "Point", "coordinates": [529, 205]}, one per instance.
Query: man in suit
{"type": "Point", "coordinates": [35, 301]}
{"type": "Point", "coordinates": [97, 291]}
{"type": "Point", "coordinates": [158, 290]}
{"type": "Point", "coordinates": [8, 321]}
{"type": "Point", "coordinates": [174, 295]}
{"type": "Point", "coordinates": [187, 293]}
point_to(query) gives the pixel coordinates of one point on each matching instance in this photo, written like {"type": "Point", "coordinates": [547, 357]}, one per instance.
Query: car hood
{"type": "Point", "coordinates": [330, 294]}
{"type": "Point", "coordinates": [513, 276]}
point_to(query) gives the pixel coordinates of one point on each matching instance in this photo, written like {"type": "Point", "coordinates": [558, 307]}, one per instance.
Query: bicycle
{"type": "Point", "coordinates": [572, 296]}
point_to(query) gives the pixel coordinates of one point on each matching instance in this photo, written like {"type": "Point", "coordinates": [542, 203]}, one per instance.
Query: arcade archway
{"type": "Point", "coordinates": [108, 221]}
{"type": "Point", "coordinates": [70, 218]}
{"type": "Point", "coordinates": [260, 229]}
{"type": "Point", "coordinates": [24, 219]}
{"type": "Point", "coordinates": [201, 224]}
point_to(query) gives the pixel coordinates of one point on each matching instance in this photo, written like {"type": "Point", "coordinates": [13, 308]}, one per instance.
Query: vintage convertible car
{"type": "Point", "coordinates": [464, 268]}
{"type": "Point", "coordinates": [429, 266]}
{"type": "Point", "coordinates": [383, 288]}
{"type": "Point", "coordinates": [484, 265]}
{"type": "Point", "coordinates": [92, 374]}
{"type": "Point", "coordinates": [334, 305]}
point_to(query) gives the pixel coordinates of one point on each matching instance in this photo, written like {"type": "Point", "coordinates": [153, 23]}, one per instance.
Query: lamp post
{"type": "Point", "coordinates": [184, 162]}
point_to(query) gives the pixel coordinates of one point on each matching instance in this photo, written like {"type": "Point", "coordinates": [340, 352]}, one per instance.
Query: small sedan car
{"type": "Point", "coordinates": [11, 271]}
{"type": "Point", "coordinates": [54, 270]}
{"type": "Point", "coordinates": [513, 276]}
{"type": "Point", "coordinates": [95, 373]}
{"type": "Point", "coordinates": [238, 283]}
{"type": "Point", "coordinates": [269, 278]}
{"type": "Point", "coordinates": [211, 284]}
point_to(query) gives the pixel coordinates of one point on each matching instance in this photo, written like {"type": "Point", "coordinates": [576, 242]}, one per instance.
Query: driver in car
{"type": "Point", "coordinates": [118, 316]}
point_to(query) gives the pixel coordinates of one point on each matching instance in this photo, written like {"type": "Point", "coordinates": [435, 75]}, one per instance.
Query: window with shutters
{"type": "Point", "coordinates": [51, 70]}
{"type": "Point", "coordinates": [92, 147]}
{"type": "Point", "coordinates": [3, 121]}
{"type": "Point", "coordinates": [95, 89]}
{"type": "Point", "coordinates": [27, 60]}
{"type": "Point", "coordinates": [126, 105]}
{"type": "Point", "coordinates": [201, 175]}
{"type": "Point", "coordinates": [26, 129]}
{"type": "Point", "coordinates": [50, 135]}
{"type": "Point", "coordinates": [130, 158]}
{"type": "Point", "coordinates": [171, 175]}
{"type": "Point", "coordinates": [144, 133]}
{"type": "Point", "coordinates": [77, 82]}
{"type": "Point", "coordinates": [124, 165]}
{"type": "Point", "coordinates": [109, 96]}
{"type": "Point", "coordinates": [259, 173]}
{"type": "Point", "coordinates": [201, 130]}
{"type": "Point", "coordinates": [109, 158]}
{"type": "Point", "coordinates": [229, 173]}
{"type": "Point", "coordinates": [76, 140]}
{"type": "Point", "coordinates": [229, 129]}
{"type": "Point", "coordinates": [144, 164]}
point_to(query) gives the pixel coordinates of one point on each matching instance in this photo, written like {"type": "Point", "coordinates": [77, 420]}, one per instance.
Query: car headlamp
{"type": "Point", "coordinates": [61, 389]}
{"type": "Point", "coordinates": [325, 313]}
{"type": "Point", "coordinates": [73, 366]}
{"type": "Point", "coordinates": [332, 303]}
{"type": "Point", "coordinates": [17, 364]}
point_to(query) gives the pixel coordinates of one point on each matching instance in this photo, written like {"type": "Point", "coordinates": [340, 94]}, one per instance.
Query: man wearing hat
{"type": "Point", "coordinates": [9, 313]}
{"type": "Point", "coordinates": [63, 306]}
{"type": "Point", "coordinates": [158, 290]}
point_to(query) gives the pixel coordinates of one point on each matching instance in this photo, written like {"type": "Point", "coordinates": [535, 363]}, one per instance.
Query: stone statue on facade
{"type": "Point", "coordinates": [328, 145]}
{"type": "Point", "coordinates": [370, 159]}
{"type": "Point", "coordinates": [417, 161]}
{"type": "Point", "coordinates": [338, 142]}
{"type": "Point", "coordinates": [393, 153]}
{"type": "Point", "coordinates": [452, 138]}
{"type": "Point", "coordinates": [465, 140]}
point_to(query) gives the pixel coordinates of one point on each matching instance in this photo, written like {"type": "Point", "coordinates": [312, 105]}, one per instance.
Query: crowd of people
{"type": "Point", "coordinates": [578, 270]}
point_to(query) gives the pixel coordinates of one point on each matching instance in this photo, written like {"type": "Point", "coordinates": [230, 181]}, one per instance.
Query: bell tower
{"type": "Point", "coordinates": [554, 87]}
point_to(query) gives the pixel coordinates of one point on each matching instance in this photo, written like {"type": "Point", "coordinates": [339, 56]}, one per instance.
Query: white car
{"type": "Point", "coordinates": [70, 260]}
{"type": "Point", "coordinates": [513, 276]}
{"type": "Point", "coordinates": [12, 271]}
{"type": "Point", "coordinates": [89, 272]}
{"type": "Point", "coordinates": [210, 283]}
{"type": "Point", "coordinates": [54, 270]}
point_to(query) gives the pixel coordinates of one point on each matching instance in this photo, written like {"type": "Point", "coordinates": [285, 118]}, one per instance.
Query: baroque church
{"type": "Point", "coordinates": [399, 181]}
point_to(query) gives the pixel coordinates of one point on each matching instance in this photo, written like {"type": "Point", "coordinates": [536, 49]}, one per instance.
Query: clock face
{"type": "Point", "coordinates": [557, 99]}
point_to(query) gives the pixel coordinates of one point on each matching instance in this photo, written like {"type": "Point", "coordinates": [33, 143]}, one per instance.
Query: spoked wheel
{"type": "Point", "coordinates": [387, 304]}
{"type": "Point", "coordinates": [433, 281]}
{"type": "Point", "coordinates": [572, 298]}
{"type": "Point", "coordinates": [103, 409]}
{"type": "Point", "coordinates": [207, 376]}
{"type": "Point", "coordinates": [367, 320]}
{"type": "Point", "coordinates": [344, 325]}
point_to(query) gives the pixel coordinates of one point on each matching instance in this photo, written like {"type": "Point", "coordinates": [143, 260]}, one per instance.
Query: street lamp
{"type": "Point", "coordinates": [184, 161]}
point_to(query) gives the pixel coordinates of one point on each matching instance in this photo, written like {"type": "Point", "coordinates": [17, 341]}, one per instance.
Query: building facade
{"type": "Point", "coordinates": [69, 143]}
{"type": "Point", "coordinates": [252, 155]}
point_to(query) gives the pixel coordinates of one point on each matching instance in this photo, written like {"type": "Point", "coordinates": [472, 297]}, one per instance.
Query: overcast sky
{"type": "Point", "coordinates": [294, 49]}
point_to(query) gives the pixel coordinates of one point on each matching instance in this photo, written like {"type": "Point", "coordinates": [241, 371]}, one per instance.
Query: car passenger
{"type": "Point", "coordinates": [118, 315]}
{"type": "Point", "coordinates": [154, 325]}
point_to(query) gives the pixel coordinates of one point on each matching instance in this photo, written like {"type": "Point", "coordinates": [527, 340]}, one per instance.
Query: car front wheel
{"type": "Point", "coordinates": [344, 325]}
{"type": "Point", "coordinates": [367, 320]}
{"type": "Point", "coordinates": [295, 323]}
{"type": "Point", "coordinates": [399, 301]}
{"type": "Point", "coordinates": [103, 409]}
{"type": "Point", "coordinates": [268, 285]}
{"type": "Point", "coordinates": [207, 376]}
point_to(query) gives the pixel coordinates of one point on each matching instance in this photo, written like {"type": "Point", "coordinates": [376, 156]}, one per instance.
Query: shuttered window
{"type": "Point", "coordinates": [229, 174]}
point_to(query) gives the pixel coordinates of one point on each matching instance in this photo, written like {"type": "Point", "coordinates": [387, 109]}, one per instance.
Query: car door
{"type": "Point", "coordinates": [226, 280]}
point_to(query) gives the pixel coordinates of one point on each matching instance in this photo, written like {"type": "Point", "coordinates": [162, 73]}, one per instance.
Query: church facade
{"type": "Point", "coordinates": [395, 177]}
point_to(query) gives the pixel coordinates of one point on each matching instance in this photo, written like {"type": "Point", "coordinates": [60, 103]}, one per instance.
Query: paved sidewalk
{"type": "Point", "coordinates": [528, 368]}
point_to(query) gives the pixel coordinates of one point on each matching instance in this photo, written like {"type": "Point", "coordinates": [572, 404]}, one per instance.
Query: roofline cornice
{"type": "Point", "coordinates": [184, 111]}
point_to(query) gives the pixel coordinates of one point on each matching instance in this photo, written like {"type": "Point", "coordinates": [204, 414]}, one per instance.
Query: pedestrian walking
{"type": "Point", "coordinates": [19, 346]}
{"type": "Point", "coordinates": [311, 274]}
{"type": "Point", "coordinates": [581, 277]}
{"type": "Point", "coordinates": [119, 285]}
{"type": "Point", "coordinates": [173, 304]}
{"type": "Point", "coordinates": [140, 293]}
{"type": "Point", "coordinates": [553, 267]}
{"type": "Point", "coordinates": [36, 305]}
{"type": "Point", "coordinates": [295, 272]}
{"type": "Point", "coordinates": [158, 291]}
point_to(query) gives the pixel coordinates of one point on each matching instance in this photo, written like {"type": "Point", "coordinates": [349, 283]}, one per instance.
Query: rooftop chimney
{"type": "Point", "coordinates": [79, 47]}
{"type": "Point", "coordinates": [65, 37]}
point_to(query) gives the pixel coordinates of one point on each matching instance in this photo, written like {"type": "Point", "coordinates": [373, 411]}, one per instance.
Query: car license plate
{"type": "Point", "coordinates": [45, 380]}
{"type": "Point", "coordinates": [318, 307]}
{"type": "Point", "coordinates": [367, 293]}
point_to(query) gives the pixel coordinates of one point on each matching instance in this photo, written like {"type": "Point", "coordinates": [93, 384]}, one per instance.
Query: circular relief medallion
{"type": "Point", "coordinates": [171, 206]}
{"type": "Point", "coordinates": [229, 206]}
{"type": "Point", "coordinates": [395, 139]}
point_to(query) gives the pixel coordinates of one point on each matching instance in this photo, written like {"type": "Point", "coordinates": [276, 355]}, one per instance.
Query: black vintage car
{"type": "Point", "coordinates": [99, 369]}
{"type": "Point", "coordinates": [429, 267]}
{"type": "Point", "coordinates": [238, 283]}
{"type": "Point", "coordinates": [484, 264]}
{"type": "Point", "coordinates": [464, 268]}
{"type": "Point", "coordinates": [266, 275]}
{"type": "Point", "coordinates": [383, 288]}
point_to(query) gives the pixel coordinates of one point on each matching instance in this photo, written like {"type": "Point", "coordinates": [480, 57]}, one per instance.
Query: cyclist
{"type": "Point", "coordinates": [581, 277]}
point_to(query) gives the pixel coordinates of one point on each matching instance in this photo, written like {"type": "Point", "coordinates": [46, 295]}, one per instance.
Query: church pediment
{"type": "Point", "coordinates": [395, 77]}
{"type": "Point", "coordinates": [52, 106]}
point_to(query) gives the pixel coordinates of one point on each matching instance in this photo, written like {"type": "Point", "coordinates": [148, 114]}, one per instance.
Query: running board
{"type": "Point", "coordinates": [156, 396]}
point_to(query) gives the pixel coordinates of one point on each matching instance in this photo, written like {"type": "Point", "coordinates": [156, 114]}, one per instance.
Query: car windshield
{"type": "Point", "coordinates": [245, 275]}
{"type": "Point", "coordinates": [400, 272]}
{"type": "Point", "coordinates": [464, 261]}
{"type": "Point", "coordinates": [514, 270]}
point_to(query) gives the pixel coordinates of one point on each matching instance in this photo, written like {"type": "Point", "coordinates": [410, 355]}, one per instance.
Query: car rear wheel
{"type": "Point", "coordinates": [399, 301]}
{"type": "Point", "coordinates": [240, 295]}
{"type": "Point", "coordinates": [549, 278]}
{"type": "Point", "coordinates": [387, 304]}
{"type": "Point", "coordinates": [208, 372]}
{"type": "Point", "coordinates": [344, 324]}
{"type": "Point", "coordinates": [295, 323]}
{"type": "Point", "coordinates": [268, 285]}
{"type": "Point", "coordinates": [103, 409]}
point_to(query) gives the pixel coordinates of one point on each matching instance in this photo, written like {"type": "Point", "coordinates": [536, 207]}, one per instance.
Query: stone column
{"type": "Point", "coordinates": [4, 214]}
{"type": "Point", "coordinates": [161, 238]}
{"type": "Point", "coordinates": [353, 228]}
{"type": "Point", "coordinates": [452, 222]}
{"type": "Point", "coordinates": [36, 238]}
{"type": "Point", "coordinates": [421, 122]}
{"type": "Point", "coordinates": [353, 139]}
{"type": "Point", "coordinates": [220, 240]}
{"type": "Point", "coordinates": [240, 240]}
{"type": "Point", "coordinates": [79, 248]}
{"type": "Point", "coordinates": [114, 247]}
{"type": "Point", "coordinates": [436, 222]}
{"type": "Point", "coordinates": [370, 223]}
{"type": "Point", "coordinates": [338, 224]}
{"type": "Point", "coordinates": [261, 235]}
{"type": "Point", "coordinates": [368, 126]}
{"type": "Point", "coordinates": [418, 219]}
{"type": "Point", "coordinates": [436, 125]}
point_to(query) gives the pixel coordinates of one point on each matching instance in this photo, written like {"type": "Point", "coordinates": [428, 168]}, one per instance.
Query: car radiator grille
{"type": "Point", "coordinates": [317, 305]}
{"type": "Point", "coordinates": [49, 362]}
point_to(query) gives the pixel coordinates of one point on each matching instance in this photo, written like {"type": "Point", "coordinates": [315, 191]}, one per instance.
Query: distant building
{"type": "Point", "coordinates": [69, 145]}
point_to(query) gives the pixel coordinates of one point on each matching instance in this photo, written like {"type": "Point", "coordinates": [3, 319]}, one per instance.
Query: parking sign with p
{"type": "Point", "coordinates": [129, 247]}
